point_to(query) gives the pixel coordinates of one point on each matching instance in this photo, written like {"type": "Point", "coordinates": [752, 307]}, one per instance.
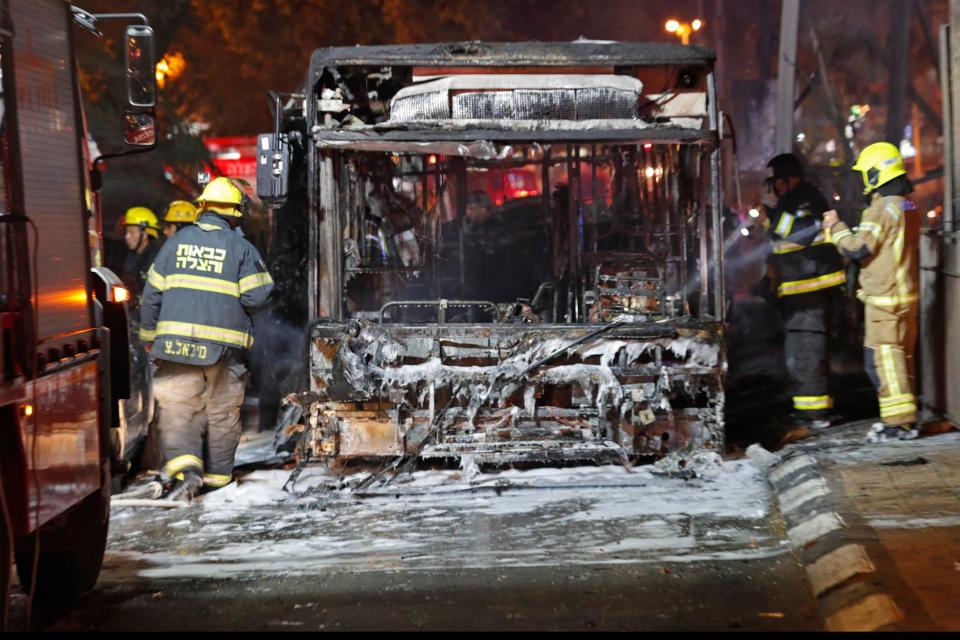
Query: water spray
{"type": "Point", "coordinates": [742, 231]}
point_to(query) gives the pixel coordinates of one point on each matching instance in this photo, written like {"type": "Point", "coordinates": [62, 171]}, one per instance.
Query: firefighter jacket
{"type": "Point", "coordinates": [802, 257]}
{"type": "Point", "coordinates": [206, 281]}
{"type": "Point", "coordinates": [886, 244]}
{"type": "Point", "coordinates": [136, 265]}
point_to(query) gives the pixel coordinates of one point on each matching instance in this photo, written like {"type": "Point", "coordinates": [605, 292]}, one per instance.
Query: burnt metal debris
{"type": "Point", "coordinates": [514, 252]}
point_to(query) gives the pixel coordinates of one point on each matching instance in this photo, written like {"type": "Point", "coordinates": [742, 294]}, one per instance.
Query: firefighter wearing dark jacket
{"type": "Point", "coordinates": [140, 234]}
{"type": "Point", "coordinates": [808, 272]}
{"type": "Point", "coordinates": [202, 288]}
{"type": "Point", "coordinates": [886, 244]}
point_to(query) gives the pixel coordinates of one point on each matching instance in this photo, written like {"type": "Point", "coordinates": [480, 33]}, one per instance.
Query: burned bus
{"type": "Point", "coordinates": [512, 251]}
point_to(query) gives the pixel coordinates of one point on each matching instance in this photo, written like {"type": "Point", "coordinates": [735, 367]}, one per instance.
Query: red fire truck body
{"type": "Point", "coordinates": [62, 319]}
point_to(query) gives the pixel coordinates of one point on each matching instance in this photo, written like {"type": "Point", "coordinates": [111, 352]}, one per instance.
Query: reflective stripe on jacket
{"type": "Point", "coordinates": [886, 243]}
{"type": "Point", "coordinates": [203, 285]}
{"type": "Point", "coordinates": [802, 259]}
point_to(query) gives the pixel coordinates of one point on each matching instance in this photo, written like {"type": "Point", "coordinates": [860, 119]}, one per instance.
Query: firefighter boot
{"type": "Point", "coordinates": [186, 487]}
{"type": "Point", "coordinates": [880, 432]}
{"type": "Point", "coordinates": [817, 423]}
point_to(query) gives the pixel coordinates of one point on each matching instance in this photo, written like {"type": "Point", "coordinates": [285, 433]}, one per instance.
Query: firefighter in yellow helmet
{"type": "Point", "coordinates": [886, 244]}
{"type": "Point", "coordinates": [179, 214]}
{"type": "Point", "coordinates": [140, 233]}
{"type": "Point", "coordinates": [200, 293]}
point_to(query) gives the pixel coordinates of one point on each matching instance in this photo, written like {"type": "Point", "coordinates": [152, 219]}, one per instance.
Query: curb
{"type": "Point", "coordinates": [839, 570]}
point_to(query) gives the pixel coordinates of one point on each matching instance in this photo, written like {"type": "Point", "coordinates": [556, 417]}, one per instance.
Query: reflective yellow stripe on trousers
{"type": "Point", "coordinates": [887, 301]}
{"type": "Point", "coordinates": [897, 408]}
{"type": "Point", "coordinates": [896, 402]}
{"type": "Point", "coordinates": [178, 464]}
{"type": "Point", "coordinates": [889, 370]}
{"type": "Point", "coordinates": [902, 398]}
{"type": "Point", "coordinates": [216, 480]}
{"type": "Point", "coordinates": [811, 403]}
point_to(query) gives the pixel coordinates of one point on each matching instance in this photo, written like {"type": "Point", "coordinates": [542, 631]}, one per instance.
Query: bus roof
{"type": "Point", "coordinates": [516, 54]}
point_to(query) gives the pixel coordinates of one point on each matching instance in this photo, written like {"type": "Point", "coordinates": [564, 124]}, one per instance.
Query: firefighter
{"type": "Point", "coordinates": [179, 214]}
{"type": "Point", "coordinates": [200, 292]}
{"type": "Point", "coordinates": [140, 233]}
{"type": "Point", "coordinates": [807, 272]}
{"type": "Point", "coordinates": [886, 244]}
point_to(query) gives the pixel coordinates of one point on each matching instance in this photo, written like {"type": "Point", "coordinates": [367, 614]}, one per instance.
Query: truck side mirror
{"type": "Point", "coordinates": [141, 74]}
{"type": "Point", "coordinates": [139, 129]}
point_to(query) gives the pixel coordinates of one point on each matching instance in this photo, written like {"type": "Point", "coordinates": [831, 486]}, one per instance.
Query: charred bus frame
{"type": "Point", "coordinates": [629, 365]}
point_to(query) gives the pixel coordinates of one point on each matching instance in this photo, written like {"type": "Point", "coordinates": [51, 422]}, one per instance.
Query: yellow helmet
{"type": "Point", "coordinates": [180, 211]}
{"type": "Point", "coordinates": [143, 218]}
{"type": "Point", "coordinates": [879, 163]}
{"type": "Point", "coordinates": [223, 196]}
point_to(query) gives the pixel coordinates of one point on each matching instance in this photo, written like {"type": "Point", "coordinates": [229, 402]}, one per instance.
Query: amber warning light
{"type": "Point", "coordinates": [27, 410]}
{"type": "Point", "coordinates": [120, 294]}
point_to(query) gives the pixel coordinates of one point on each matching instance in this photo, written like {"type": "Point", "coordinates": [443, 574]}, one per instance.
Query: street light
{"type": "Point", "coordinates": [683, 30]}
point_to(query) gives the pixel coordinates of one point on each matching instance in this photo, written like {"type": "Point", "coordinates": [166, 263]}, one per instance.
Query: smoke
{"type": "Point", "coordinates": [278, 361]}
{"type": "Point", "coordinates": [732, 263]}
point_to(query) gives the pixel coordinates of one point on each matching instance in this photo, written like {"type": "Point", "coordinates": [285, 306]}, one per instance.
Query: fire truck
{"type": "Point", "coordinates": [63, 327]}
{"type": "Point", "coordinates": [581, 319]}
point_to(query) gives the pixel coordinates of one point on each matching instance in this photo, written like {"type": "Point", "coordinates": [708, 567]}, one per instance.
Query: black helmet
{"type": "Point", "coordinates": [785, 165]}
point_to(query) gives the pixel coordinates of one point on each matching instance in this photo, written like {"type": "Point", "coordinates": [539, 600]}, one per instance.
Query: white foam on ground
{"type": "Point", "coordinates": [440, 519]}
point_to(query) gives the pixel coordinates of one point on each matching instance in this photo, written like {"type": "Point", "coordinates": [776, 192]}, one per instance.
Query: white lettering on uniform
{"type": "Point", "coordinates": [199, 258]}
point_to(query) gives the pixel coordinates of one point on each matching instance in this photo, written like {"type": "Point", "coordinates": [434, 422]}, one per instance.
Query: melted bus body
{"type": "Point", "coordinates": [512, 251]}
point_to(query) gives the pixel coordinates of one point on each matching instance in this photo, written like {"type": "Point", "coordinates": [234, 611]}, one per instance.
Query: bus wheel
{"type": "Point", "coordinates": [71, 550]}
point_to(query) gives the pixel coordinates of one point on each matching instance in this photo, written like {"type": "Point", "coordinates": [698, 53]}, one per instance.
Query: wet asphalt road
{"type": "Point", "coordinates": [760, 594]}
{"type": "Point", "coordinates": [574, 549]}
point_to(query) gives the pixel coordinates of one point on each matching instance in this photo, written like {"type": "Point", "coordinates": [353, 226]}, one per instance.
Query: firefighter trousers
{"type": "Point", "coordinates": [198, 416]}
{"type": "Point", "coordinates": [889, 343]}
{"type": "Point", "coordinates": [806, 320]}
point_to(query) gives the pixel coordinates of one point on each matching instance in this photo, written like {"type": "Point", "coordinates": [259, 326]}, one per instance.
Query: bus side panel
{"type": "Point", "coordinates": [52, 178]}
